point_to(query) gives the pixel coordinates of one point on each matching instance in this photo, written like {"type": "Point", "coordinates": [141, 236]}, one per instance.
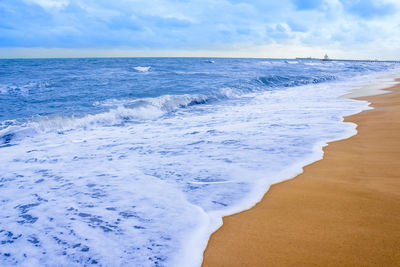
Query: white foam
{"type": "Point", "coordinates": [313, 63]}
{"type": "Point", "coordinates": [121, 111]}
{"type": "Point", "coordinates": [374, 85]}
{"type": "Point", "coordinates": [3, 89]}
{"type": "Point", "coordinates": [23, 89]}
{"type": "Point", "coordinates": [142, 69]}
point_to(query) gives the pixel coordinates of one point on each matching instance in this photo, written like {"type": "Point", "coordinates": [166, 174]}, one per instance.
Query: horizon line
{"type": "Point", "coordinates": [219, 57]}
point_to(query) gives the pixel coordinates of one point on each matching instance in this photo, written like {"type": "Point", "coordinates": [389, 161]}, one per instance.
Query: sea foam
{"type": "Point", "coordinates": [142, 69]}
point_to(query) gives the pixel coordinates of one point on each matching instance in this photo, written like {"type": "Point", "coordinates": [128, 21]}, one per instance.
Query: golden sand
{"type": "Point", "coordinates": [342, 211]}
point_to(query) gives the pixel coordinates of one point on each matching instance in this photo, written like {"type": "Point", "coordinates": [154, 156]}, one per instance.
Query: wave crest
{"type": "Point", "coordinates": [142, 69]}
{"type": "Point", "coordinates": [288, 81]}
{"type": "Point", "coordinates": [120, 112]}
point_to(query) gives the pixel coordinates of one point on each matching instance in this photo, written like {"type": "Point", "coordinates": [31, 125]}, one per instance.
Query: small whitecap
{"type": "Point", "coordinates": [142, 69]}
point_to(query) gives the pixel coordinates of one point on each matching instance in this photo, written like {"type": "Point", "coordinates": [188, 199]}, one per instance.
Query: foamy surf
{"type": "Point", "coordinates": [142, 69]}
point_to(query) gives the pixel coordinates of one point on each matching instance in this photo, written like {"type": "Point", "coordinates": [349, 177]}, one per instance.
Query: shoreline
{"type": "Point", "coordinates": [340, 211]}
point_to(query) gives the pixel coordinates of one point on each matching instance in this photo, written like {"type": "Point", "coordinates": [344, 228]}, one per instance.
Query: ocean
{"type": "Point", "coordinates": [134, 161]}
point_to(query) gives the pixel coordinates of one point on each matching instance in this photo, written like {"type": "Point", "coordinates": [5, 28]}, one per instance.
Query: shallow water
{"type": "Point", "coordinates": [134, 161]}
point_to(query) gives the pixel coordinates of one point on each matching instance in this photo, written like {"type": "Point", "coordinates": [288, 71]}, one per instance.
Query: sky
{"type": "Point", "coordinates": [354, 29]}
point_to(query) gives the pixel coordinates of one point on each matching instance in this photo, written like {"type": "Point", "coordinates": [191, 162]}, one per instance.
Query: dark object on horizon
{"type": "Point", "coordinates": [326, 58]}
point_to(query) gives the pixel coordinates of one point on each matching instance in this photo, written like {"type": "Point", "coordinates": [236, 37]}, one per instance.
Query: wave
{"type": "Point", "coordinates": [315, 63]}
{"type": "Point", "coordinates": [3, 89]}
{"type": "Point", "coordinates": [272, 62]}
{"type": "Point", "coordinates": [119, 113]}
{"type": "Point", "coordinates": [22, 88]}
{"type": "Point", "coordinates": [193, 72]}
{"type": "Point", "coordinates": [142, 69]}
{"type": "Point", "coordinates": [122, 111]}
{"type": "Point", "coordinates": [289, 81]}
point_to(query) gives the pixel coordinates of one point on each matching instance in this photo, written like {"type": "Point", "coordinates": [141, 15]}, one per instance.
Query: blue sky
{"type": "Point", "coordinates": [269, 28]}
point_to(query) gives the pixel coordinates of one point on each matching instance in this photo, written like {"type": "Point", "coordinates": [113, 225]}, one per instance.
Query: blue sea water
{"type": "Point", "coordinates": [134, 161]}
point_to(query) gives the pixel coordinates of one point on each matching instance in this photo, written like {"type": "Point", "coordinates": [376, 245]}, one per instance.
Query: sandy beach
{"type": "Point", "coordinates": [342, 211]}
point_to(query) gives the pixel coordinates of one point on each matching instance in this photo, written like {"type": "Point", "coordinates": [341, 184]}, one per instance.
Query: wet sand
{"type": "Point", "coordinates": [342, 211]}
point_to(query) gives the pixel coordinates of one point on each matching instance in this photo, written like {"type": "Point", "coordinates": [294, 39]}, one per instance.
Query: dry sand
{"type": "Point", "coordinates": [342, 211]}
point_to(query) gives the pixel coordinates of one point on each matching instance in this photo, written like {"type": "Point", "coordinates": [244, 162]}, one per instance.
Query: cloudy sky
{"type": "Point", "coordinates": [242, 28]}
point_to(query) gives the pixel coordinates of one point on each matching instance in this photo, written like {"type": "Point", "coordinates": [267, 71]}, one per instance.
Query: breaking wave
{"type": "Point", "coordinates": [288, 81]}
{"type": "Point", "coordinates": [119, 112]}
{"type": "Point", "coordinates": [142, 69]}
